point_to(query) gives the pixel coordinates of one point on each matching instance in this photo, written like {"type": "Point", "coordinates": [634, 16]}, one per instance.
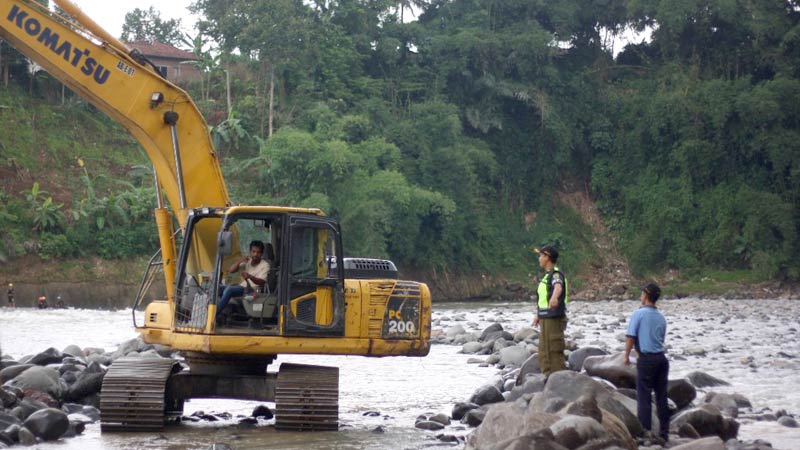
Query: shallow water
{"type": "Point", "coordinates": [402, 388]}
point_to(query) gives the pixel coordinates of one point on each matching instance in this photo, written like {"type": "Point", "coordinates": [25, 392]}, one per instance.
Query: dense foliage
{"type": "Point", "coordinates": [433, 139]}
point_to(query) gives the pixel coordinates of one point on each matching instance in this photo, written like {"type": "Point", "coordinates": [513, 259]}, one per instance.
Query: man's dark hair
{"type": "Point", "coordinates": [653, 292]}
{"type": "Point", "coordinates": [258, 244]}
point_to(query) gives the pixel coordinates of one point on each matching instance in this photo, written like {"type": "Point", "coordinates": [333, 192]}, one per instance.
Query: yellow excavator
{"type": "Point", "coordinates": [313, 300]}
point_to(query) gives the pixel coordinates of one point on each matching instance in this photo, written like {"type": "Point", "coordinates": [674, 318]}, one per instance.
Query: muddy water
{"type": "Point", "coordinates": [755, 345]}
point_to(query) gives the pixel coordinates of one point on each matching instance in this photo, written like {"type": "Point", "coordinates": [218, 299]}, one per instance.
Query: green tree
{"type": "Point", "coordinates": [147, 25]}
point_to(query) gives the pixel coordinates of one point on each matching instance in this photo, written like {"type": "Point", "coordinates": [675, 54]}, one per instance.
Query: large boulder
{"type": "Point", "coordinates": [38, 378]}
{"type": "Point", "coordinates": [508, 421]}
{"type": "Point", "coordinates": [74, 350]}
{"type": "Point", "coordinates": [707, 420]}
{"type": "Point", "coordinates": [49, 356]}
{"type": "Point", "coordinates": [26, 407]}
{"type": "Point", "coordinates": [6, 420]}
{"type": "Point", "coordinates": [88, 383]}
{"type": "Point", "coordinates": [577, 357]}
{"type": "Point", "coordinates": [702, 380]}
{"type": "Point", "coordinates": [709, 443]}
{"type": "Point", "coordinates": [531, 366]}
{"type": "Point", "coordinates": [9, 373]}
{"type": "Point", "coordinates": [452, 332]}
{"type": "Point", "coordinates": [681, 392]}
{"type": "Point", "coordinates": [568, 386]}
{"type": "Point", "coordinates": [7, 399]}
{"type": "Point", "coordinates": [513, 356]}
{"type": "Point", "coordinates": [574, 431]}
{"type": "Point", "coordinates": [491, 329]}
{"type": "Point", "coordinates": [461, 409]}
{"type": "Point", "coordinates": [540, 440]}
{"type": "Point", "coordinates": [48, 424]}
{"type": "Point", "coordinates": [471, 347]}
{"type": "Point", "coordinates": [533, 383]}
{"type": "Point", "coordinates": [726, 403]}
{"type": "Point", "coordinates": [486, 394]}
{"type": "Point", "coordinates": [611, 368]}
{"type": "Point", "coordinates": [585, 406]}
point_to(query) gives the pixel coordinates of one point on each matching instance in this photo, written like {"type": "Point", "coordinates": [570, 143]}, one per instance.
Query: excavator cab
{"type": "Point", "coordinates": [302, 295]}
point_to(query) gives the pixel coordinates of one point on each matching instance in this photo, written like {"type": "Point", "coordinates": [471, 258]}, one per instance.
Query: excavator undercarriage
{"type": "Point", "coordinates": [143, 394]}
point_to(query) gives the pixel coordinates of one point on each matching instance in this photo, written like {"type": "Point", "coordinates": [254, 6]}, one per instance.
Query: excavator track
{"type": "Point", "coordinates": [307, 398]}
{"type": "Point", "coordinates": [133, 394]}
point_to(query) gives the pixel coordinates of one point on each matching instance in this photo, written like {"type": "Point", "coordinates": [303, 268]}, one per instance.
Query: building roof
{"type": "Point", "coordinates": [162, 50]}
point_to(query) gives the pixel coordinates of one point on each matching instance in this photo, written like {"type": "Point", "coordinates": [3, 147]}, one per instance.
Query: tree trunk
{"type": "Point", "coordinates": [271, 97]}
{"type": "Point", "coordinates": [228, 88]}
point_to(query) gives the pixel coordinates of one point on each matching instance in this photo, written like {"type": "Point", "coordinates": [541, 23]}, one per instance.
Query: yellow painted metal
{"type": "Point", "coordinates": [159, 314]}
{"type": "Point", "coordinates": [164, 225]}
{"type": "Point", "coordinates": [324, 309]}
{"type": "Point", "coordinates": [81, 55]}
{"type": "Point", "coordinates": [356, 341]}
{"type": "Point", "coordinates": [91, 62]}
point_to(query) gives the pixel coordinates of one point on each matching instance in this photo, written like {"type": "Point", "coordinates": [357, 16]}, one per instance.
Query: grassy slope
{"type": "Point", "coordinates": [41, 143]}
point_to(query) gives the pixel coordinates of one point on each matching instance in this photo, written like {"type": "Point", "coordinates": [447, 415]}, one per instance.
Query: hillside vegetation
{"type": "Point", "coordinates": [454, 142]}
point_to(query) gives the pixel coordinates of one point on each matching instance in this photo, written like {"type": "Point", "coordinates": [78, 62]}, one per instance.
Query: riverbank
{"type": "Point", "coordinates": [749, 352]}
{"type": "Point", "coordinates": [99, 284]}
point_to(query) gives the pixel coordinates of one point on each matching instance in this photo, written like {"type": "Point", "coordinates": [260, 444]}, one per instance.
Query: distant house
{"type": "Point", "coordinates": [175, 64]}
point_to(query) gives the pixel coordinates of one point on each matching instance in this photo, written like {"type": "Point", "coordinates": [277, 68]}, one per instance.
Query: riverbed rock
{"type": "Point", "coordinates": [513, 356]}
{"type": "Point", "coordinates": [26, 437]}
{"type": "Point", "coordinates": [486, 394]}
{"type": "Point", "coordinates": [40, 396]}
{"type": "Point", "coordinates": [531, 366]}
{"type": "Point", "coordinates": [26, 407]}
{"type": "Point", "coordinates": [568, 386]}
{"type": "Point", "coordinates": [49, 356]}
{"type": "Point", "coordinates": [474, 417]}
{"type": "Point", "coordinates": [73, 350]}
{"type": "Point", "coordinates": [9, 373]}
{"type": "Point", "coordinates": [702, 380]}
{"type": "Point", "coordinates": [611, 368]}
{"type": "Point", "coordinates": [585, 406]}
{"type": "Point", "coordinates": [577, 357]}
{"type": "Point", "coordinates": [461, 409]}
{"type": "Point", "coordinates": [533, 383]}
{"type": "Point", "coordinates": [263, 412]}
{"type": "Point", "coordinates": [7, 399]}
{"type": "Point", "coordinates": [708, 443]}
{"type": "Point", "coordinates": [454, 331]}
{"type": "Point", "coordinates": [708, 421]}
{"type": "Point", "coordinates": [40, 378]}
{"type": "Point", "coordinates": [493, 328]}
{"type": "Point", "coordinates": [573, 431]}
{"type": "Point", "coordinates": [508, 421]}
{"type": "Point", "coordinates": [88, 383]}
{"type": "Point", "coordinates": [48, 424]}
{"type": "Point", "coordinates": [681, 392]}
{"type": "Point", "coordinates": [471, 347]}
{"type": "Point", "coordinates": [725, 402]}
{"type": "Point", "coordinates": [525, 333]}
{"type": "Point", "coordinates": [6, 420]}
{"type": "Point", "coordinates": [428, 425]}
{"type": "Point", "coordinates": [788, 422]}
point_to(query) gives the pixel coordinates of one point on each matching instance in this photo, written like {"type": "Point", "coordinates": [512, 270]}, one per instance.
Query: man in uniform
{"type": "Point", "coordinates": [646, 332]}
{"type": "Point", "coordinates": [10, 294]}
{"type": "Point", "coordinates": [551, 312]}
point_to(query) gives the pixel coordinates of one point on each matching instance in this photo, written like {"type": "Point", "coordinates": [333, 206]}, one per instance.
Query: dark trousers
{"type": "Point", "coordinates": [551, 344]}
{"type": "Point", "coordinates": [651, 375]}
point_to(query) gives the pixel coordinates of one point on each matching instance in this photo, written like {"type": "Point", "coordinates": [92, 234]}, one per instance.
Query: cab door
{"type": "Point", "coordinates": [313, 303]}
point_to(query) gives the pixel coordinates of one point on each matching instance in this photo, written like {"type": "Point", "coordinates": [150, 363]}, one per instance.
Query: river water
{"type": "Point", "coordinates": [755, 345]}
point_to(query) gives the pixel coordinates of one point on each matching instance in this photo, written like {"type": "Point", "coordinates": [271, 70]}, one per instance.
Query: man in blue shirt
{"type": "Point", "coordinates": [646, 332]}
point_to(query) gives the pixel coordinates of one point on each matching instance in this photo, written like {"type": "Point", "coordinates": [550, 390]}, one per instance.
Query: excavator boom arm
{"type": "Point", "coordinates": [92, 63]}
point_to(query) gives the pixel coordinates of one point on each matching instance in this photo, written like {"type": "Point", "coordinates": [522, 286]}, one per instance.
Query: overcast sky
{"type": "Point", "coordinates": [110, 14]}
